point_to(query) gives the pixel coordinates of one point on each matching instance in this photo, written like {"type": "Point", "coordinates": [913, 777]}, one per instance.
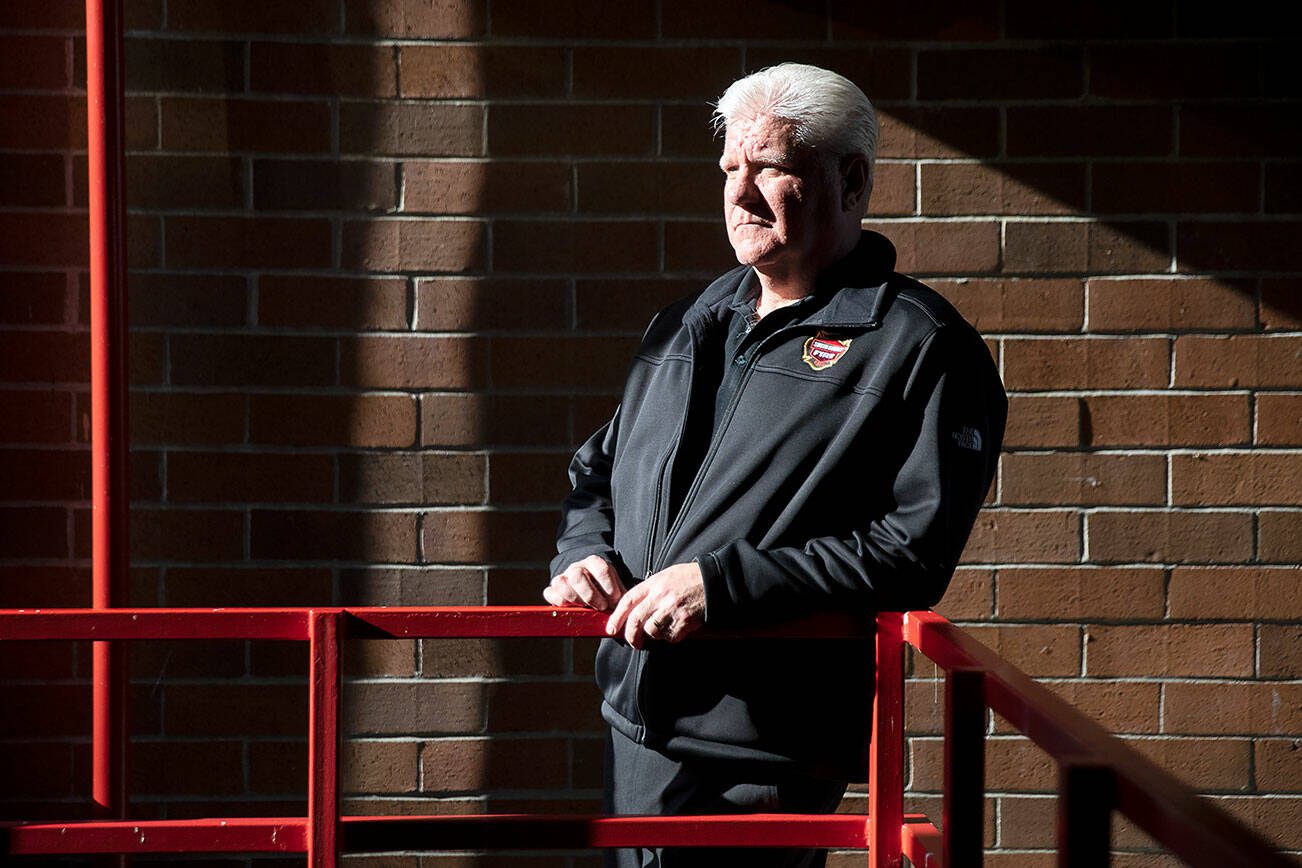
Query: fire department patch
{"type": "Point", "coordinates": [824, 352]}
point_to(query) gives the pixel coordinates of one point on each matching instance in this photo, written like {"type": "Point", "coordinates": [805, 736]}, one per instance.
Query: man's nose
{"type": "Point", "coordinates": [740, 188]}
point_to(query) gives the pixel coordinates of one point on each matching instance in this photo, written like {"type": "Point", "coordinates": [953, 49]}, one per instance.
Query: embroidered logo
{"type": "Point", "coordinates": [823, 352]}
{"type": "Point", "coordinates": [967, 437]}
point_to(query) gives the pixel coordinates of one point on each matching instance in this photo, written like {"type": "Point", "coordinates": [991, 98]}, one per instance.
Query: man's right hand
{"type": "Point", "coordinates": [591, 582]}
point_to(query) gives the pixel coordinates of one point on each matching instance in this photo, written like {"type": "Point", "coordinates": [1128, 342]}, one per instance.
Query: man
{"type": "Point", "coordinates": [811, 432]}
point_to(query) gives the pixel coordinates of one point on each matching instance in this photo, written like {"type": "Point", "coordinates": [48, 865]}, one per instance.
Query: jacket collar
{"type": "Point", "coordinates": [852, 292]}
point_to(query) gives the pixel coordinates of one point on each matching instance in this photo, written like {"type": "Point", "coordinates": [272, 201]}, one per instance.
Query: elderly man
{"type": "Point", "coordinates": [811, 432]}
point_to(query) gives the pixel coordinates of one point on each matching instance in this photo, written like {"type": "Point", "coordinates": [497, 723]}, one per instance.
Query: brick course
{"type": "Point", "coordinates": [388, 264]}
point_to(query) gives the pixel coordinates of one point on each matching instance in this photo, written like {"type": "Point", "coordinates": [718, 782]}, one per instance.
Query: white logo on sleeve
{"type": "Point", "coordinates": [967, 437]}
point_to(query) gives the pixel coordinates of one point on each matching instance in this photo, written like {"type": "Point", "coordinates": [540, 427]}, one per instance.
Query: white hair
{"type": "Point", "coordinates": [830, 113]}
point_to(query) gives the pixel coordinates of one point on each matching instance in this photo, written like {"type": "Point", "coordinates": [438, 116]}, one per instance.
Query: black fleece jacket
{"type": "Point", "coordinates": [845, 474]}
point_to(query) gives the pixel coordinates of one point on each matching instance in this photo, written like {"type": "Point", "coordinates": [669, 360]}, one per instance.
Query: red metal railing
{"type": "Point", "coordinates": [1098, 773]}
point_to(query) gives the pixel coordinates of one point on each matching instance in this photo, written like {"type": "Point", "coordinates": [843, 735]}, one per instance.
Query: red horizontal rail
{"type": "Point", "coordinates": [364, 622]}
{"type": "Point", "coordinates": [1170, 812]}
{"type": "Point", "coordinates": [452, 832]}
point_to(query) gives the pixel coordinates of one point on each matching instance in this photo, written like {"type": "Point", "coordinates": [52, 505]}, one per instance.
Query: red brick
{"type": "Point", "coordinates": [1229, 245]}
{"type": "Point", "coordinates": [44, 768]}
{"type": "Point", "coordinates": [1283, 188]}
{"type": "Point", "coordinates": [412, 478]}
{"type": "Point", "coordinates": [998, 75]}
{"type": "Point", "coordinates": [1012, 765]}
{"type": "Point", "coordinates": [1238, 361]}
{"type": "Point", "coordinates": [1090, 131]}
{"type": "Point", "coordinates": [1118, 706]}
{"type": "Point", "coordinates": [528, 477]}
{"type": "Point", "coordinates": [239, 477]}
{"type": "Point", "coordinates": [330, 535]}
{"type": "Point", "coordinates": [478, 536]}
{"type": "Point", "coordinates": [436, 19]}
{"type": "Point", "coordinates": [419, 586]}
{"type": "Point", "coordinates": [688, 131]}
{"type": "Point", "coordinates": [1279, 419]}
{"type": "Point", "coordinates": [33, 62]}
{"type": "Point", "coordinates": [894, 191]}
{"type": "Point", "coordinates": [1279, 650]}
{"type": "Point", "coordinates": [1170, 537]}
{"type": "Point", "coordinates": [185, 534]}
{"type": "Point", "coordinates": [1174, 71]}
{"type": "Point", "coordinates": [171, 417]}
{"type": "Point", "coordinates": [1276, 762]}
{"type": "Point", "coordinates": [43, 121]}
{"type": "Point", "coordinates": [1002, 188]}
{"type": "Point", "coordinates": [249, 16]}
{"type": "Point", "coordinates": [45, 474]}
{"type": "Point", "coordinates": [379, 766]}
{"type": "Point", "coordinates": [335, 420]}
{"type": "Point", "coordinates": [33, 298]}
{"type": "Point", "coordinates": [555, 706]}
{"type": "Point", "coordinates": [26, 585]}
{"type": "Point", "coordinates": [187, 300]}
{"type": "Point", "coordinates": [1043, 422]}
{"type": "Point", "coordinates": [483, 304]}
{"type": "Point", "coordinates": [32, 180]}
{"type": "Point", "coordinates": [1276, 819]}
{"type": "Point", "coordinates": [945, 21]}
{"type": "Point", "coordinates": [476, 765]}
{"type": "Point", "coordinates": [884, 72]}
{"type": "Point", "coordinates": [1097, 363]}
{"type": "Point", "coordinates": [1017, 305]}
{"type": "Point", "coordinates": [1079, 594]}
{"type": "Point", "coordinates": [484, 420]}
{"type": "Point", "coordinates": [1037, 650]}
{"type": "Point", "coordinates": [375, 658]}
{"type": "Point", "coordinates": [414, 245]}
{"type": "Point", "coordinates": [969, 597]}
{"type": "Point", "coordinates": [650, 188]}
{"type": "Point", "coordinates": [324, 185]}
{"type": "Point", "coordinates": [581, 19]}
{"type": "Point", "coordinates": [1279, 537]}
{"type": "Point", "coordinates": [210, 767]}
{"type": "Point", "coordinates": [1024, 536]}
{"type": "Point", "coordinates": [1280, 307]}
{"type": "Point", "coordinates": [479, 71]}
{"type": "Point", "coordinates": [569, 246]}
{"type": "Point", "coordinates": [247, 586]}
{"type": "Point", "coordinates": [47, 710]}
{"type": "Point", "coordinates": [413, 362]}
{"type": "Point", "coordinates": [699, 247]}
{"type": "Point", "coordinates": [235, 709]}
{"type": "Point", "coordinates": [929, 132]}
{"type": "Point", "coordinates": [351, 303]}
{"type": "Point", "coordinates": [646, 73]}
{"type": "Point", "coordinates": [1169, 305]}
{"type": "Point", "coordinates": [59, 240]}
{"type": "Point", "coordinates": [1167, 420]}
{"type": "Point", "coordinates": [627, 304]}
{"type": "Point", "coordinates": [176, 65]}
{"type": "Point", "coordinates": [1237, 129]}
{"type": "Point", "coordinates": [1225, 709]}
{"type": "Point", "coordinates": [479, 187]}
{"type": "Point", "coordinates": [403, 707]}
{"type": "Point", "coordinates": [560, 362]}
{"type": "Point", "coordinates": [145, 359]}
{"type": "Point", "coordinates": [261, 242]}
{"type": "Point", "coordinates": [569, 129]}
{"type": "Point", "coordinates": [377, 129]}
{"type": "Point", "coordinates": [1085, 247]}
{"type": "Point", "coordinates": [240, 360]}
{"type": "Point", "coordinates": [1149, 187]}
{"type": "Point", "coordinates": [944, 248]}
{"type": "Point", "coordinates": [29, 416]}
{"type": "Point", "coordinates": [262, 126]}
{"type": "Point", "coordinates": [1251, 593]}
{"type": "Point", "coordinates": [1236, 478]}
{"type": "Point", "coordinates": [326, 69]}
{"type": "Point", "coordinates": [1203, 763]}
{"type": "Point", "coordinates": [1084, 478]}
{"type": "Point", "coordinates": [1170, 650]}
{"type": "Point", "coordinates": [492, 658]}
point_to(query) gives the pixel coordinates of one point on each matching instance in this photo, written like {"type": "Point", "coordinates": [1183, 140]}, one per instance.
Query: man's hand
{"type": "Point", "coordinates": [591, 582]}
{"type": "Point", "coordinates": [667, 606]}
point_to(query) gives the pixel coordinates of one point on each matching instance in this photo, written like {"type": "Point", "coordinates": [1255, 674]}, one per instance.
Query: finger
{"type": "Point", "coordinates": [635, 626]}
{"type": "Point", "coordinates": [605, 576]}
{"type": "Point", "coordinates": [585, 587]}
{"type": "Point", "coordinates": [660, 625]}
{"type": "Point", "coordinates": [631, 598]}
{"type": "Point", "coordinates": [559, 593]}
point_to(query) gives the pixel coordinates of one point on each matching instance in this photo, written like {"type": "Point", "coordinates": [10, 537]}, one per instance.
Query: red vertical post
{"type": "Point", "coordinates": [108, 387]}
{"type": "Point", "coordinates": [886, 756]}
{"type": "Point", "coordinates": [965, 768]}
{"type": "Point", "coordinates": [1086, 795]}
{"type": "Point", "coordinates": [323, 740]}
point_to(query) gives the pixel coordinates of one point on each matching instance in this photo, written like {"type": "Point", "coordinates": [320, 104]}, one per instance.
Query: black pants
{"type": "Point", "coordinates": [643, 781]}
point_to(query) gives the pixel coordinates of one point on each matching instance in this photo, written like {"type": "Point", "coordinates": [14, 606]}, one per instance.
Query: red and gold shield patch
{"type": "Point", "coordinates": [824, 352]}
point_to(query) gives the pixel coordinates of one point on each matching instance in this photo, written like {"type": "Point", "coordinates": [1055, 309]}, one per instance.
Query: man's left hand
{"type": "Point", "coordinates": [667, 606]}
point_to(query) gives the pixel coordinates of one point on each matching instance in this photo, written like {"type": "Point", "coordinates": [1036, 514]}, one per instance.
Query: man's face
{"type": "Point", "coordinates": [780, 205]}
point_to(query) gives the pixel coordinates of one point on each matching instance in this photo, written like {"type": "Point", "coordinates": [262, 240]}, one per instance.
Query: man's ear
{"type": "Point", "coordinates": [854, 183]}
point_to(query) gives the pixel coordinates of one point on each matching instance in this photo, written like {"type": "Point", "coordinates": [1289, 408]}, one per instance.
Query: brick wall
{"type": "Point", "coordinates": [389, 259]}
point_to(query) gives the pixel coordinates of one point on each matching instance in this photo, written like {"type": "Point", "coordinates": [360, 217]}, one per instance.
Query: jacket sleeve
{"type": "Point", "coordinates": [904, 557]}
{"type": "Point", "coordinates": [588, 514]}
